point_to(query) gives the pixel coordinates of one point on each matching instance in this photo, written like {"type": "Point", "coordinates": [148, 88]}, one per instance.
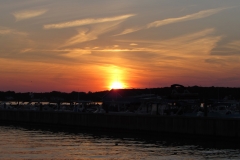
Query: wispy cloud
{"type": "Point", "coordinates": [86, 22]}
{"type": "Point", "coordinates": [219, 61]}
{"type": "Point", "coordinates": [235, 45]}
{"type": "Point", "coordinates": [226, 61]}
{"type": "Point", "coordinates": [130, 30]}
{"type": "Point", "coordinates": [89, 34]}
{"type": "Point", "coordinates": [228, 49]}
{"type": "Point", "coordinates": [26, 50]}
{"type": "Point", "coordinates": [133, 44]}
{"type": "Point", "coordinates": [83, 35]}
{"type": "Point", "coordinates": [4, 30]}
{"type": "Point", "coordinates": [75, 52]}
{"type": "Point", "coordinates": [22, 15]}
{"type": "Point", "coordinates": [198, 15]}
{"type": "Point", "coordinates": [190, 44]}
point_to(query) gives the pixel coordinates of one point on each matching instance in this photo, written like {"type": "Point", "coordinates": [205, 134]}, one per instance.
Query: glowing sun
{"type": "Point", "coordinates": [117, 85]}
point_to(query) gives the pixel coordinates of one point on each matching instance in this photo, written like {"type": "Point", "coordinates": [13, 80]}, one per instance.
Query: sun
{"type": "Point", "coordinates": [117, 85]}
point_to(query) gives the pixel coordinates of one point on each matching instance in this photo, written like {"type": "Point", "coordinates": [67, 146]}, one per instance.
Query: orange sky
{"type": "Point", "coordinates": [89, 45]}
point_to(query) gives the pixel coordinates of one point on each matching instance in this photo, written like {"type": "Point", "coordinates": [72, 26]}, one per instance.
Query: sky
{"type": "Point", "coordinates": [93, 45]}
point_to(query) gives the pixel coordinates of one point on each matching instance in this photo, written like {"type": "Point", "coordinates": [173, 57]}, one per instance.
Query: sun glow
{"type": "Point", "coordinates": [117, 85]}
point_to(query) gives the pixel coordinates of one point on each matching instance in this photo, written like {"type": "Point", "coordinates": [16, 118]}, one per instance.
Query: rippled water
{"type": "Point", "coordinates": [26, 143]}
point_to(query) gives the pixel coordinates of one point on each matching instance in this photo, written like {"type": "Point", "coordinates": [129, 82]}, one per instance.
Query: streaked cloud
{"type": "Point", "coordinates": [26, 50]}
{"type": "Point", "coordinates": [88, 21]}
{"type": "Point", "coordinates": [231, 48]}
{"type": "Point", "coordinates": [226, 61]}
{"type": "Point", "coordinates": [6, 31]}
{"type": "Point", "coordinates": [75, 52]}
{"type": "Point", "coordinates": [201, 14]}
{"type": "Point", "coordinates": [89, 34]}
{"type": "Point", "coordinates": [159, 23]}
{"type": "Point", "coordinates": [235, 45]}
{"type": "Point", "coordinates": [13, 41]}
{"type": "Point", "coordinates": [27, 14]}
{"type": "Point", "coordinates": [219, 61]}
{"type": "Point", "coordinates": [200, 42]}
{"type": "Point", "coordinates": [82, 36]}
{"type": "Point", "coordinates": [130, 30]}
{"type": "Point", "coordinates": [133, 44]}
{"type": "Point", "coordinates": [186, 45]}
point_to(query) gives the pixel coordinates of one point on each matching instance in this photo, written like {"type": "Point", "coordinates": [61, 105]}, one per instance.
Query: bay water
{"type": "Point", "coordinates": [18, 142]}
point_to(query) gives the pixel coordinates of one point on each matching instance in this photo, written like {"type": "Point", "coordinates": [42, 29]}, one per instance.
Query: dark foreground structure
{"type": "Point", "coordinates": [196, 126]}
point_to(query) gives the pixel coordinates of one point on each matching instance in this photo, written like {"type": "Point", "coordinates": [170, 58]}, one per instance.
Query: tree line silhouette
{"type": "Point", "coordinates": [167, 92]}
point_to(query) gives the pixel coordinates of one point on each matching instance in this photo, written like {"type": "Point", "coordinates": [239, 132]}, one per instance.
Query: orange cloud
{"type": "Point", "coordinates": [27, 14]}
{"type": "Point", "coordinates": [86, 22]}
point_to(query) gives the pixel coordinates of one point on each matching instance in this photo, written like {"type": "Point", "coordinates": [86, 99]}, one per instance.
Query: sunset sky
{"type": "Point", "coordinates": [94, 45]}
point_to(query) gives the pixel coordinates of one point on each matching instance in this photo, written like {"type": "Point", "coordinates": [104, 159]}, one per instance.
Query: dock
{"type": "Point", "coordinates": [197, 126]}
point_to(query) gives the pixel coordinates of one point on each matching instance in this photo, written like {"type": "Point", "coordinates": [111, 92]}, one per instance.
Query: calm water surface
{"type": "Point", "coordinates": [26, 143]}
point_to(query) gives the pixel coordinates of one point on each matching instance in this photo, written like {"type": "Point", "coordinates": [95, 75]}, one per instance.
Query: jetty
{"type": "Point", "coordinates": [157, 124]}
